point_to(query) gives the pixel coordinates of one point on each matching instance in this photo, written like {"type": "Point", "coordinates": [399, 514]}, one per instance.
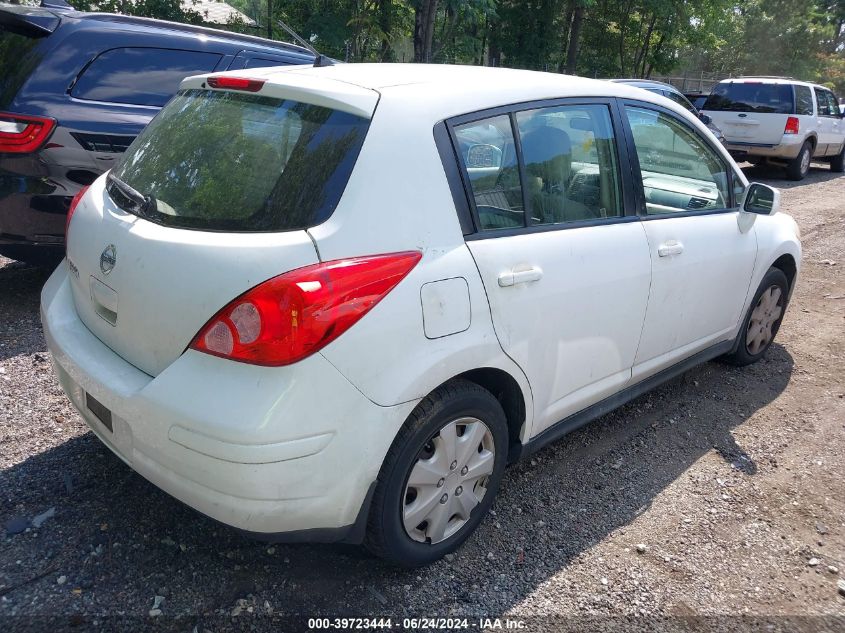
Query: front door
{"type": "Point", "coordinates": [565, 269]}
{"type": "Point", "coordinates": [701, 261]}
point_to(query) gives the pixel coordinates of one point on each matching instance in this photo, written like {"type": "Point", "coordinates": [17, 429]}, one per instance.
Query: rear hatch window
{"type": "Point", "coordinates": [751, 97]}
{"type": "Point", "coordinates": [229, 161]}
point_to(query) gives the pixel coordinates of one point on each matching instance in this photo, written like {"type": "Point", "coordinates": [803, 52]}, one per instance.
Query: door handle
{"type": "Point", "coordinates": [513, 277]}
{"type": "Point", "coordinates": [672, 247]}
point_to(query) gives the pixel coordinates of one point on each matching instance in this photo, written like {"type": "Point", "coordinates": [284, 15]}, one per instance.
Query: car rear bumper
{"type": "Point", "coordinates": [33, 209]}
{"type": "Point", "coordinates": [286, 452]}
{"type": "Point", "coordinates": [787, 149]}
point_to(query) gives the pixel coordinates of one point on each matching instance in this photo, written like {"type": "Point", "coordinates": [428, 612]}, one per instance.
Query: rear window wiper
{"type": "Point", "coordinates": [138, 203]}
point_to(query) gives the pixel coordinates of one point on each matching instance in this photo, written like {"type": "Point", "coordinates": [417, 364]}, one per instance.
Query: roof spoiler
{"type": "Point", "coordinates": [25, 20]}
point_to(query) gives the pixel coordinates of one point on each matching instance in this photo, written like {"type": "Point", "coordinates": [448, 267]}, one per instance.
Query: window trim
{"type": "Point", "coordinates": [637, 170]}
{"type": "Point", "coordinates": [465, 201]}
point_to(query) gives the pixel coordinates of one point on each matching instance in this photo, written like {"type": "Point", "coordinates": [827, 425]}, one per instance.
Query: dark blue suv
{"type": "Point", "coordinates": [75, 90]}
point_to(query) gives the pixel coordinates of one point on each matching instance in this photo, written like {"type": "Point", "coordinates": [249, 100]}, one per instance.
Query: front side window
{"type": "Point", "coordinates": [488, 155]}
{"type": "Point", "coordinates": [571, 166]}
{"type": "Point", "coordinates": [229, 161]}
{"type": "Point", "coordinates": [680, 171]}
{"type": "Point", "coordinates": [140, 76]}
{"type": "Point", "coordinates": [833, 103]}
{"type": "Point", "coordinates": [824, 104]}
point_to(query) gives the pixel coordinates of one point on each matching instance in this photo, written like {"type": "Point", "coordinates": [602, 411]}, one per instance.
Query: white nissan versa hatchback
{"type": "Point", "coordinates": [333, 303]}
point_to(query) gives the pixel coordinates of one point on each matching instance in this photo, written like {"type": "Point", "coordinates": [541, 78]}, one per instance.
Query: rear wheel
{"type": "Point", "coordinates": [440, 476]}
{"type": "Point", "coordinates": [837, 163]}
{"type": "Point", "coordinates": [799, 167]}
{"type": "Point", "coordinates": [763, 319]}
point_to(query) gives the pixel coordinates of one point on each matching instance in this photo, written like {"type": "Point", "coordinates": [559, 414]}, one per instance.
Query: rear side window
{"type": "Point", "coordinates": [228, 161]}
{"type": "Point", "coordinates": [17, 61]}
{"type": "Point", "coordinates": [140, 76]}
{"type": "Point", "coordinates": [751, 97]}
{"type": "Point", "coordinates": [803, 101]}
{"type": "Point", "coordinates": [571, 168]}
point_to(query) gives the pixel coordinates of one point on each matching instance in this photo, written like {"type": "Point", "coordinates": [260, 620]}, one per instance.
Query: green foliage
{"type": "Point", "coordinates": [162, 9]}
{"type": "Point", "coordinates": [604, 38]}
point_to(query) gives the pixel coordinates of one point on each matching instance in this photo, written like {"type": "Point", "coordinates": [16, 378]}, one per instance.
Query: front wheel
{"type": "Point", "coordinates": [763, 319]}
{"type": "Point", "coordinates": [440, 475]}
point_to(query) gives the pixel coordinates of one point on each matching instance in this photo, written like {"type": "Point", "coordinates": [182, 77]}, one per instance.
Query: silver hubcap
{"type": "Point", "coordinates": [766, 313]}
{"type": "Point", "coordinates": [448, 480]}
{"type": "Point", "coordinates": [805, 161]}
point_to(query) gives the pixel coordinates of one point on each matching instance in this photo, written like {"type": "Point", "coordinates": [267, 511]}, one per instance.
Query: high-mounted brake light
{"type": "Point", "coordinates": [791, 126]}
{"type": "Point", "coordinates": [236, 83]}
{"type": "Point", "coordinates": [73, 204]}
{"type": "Point", "coordinates": [23, 134]}
{"type": "Point", "coordinates": [294, 315]}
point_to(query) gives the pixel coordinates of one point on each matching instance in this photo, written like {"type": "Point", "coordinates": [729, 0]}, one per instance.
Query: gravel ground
{"type": "Point", "coordinates": [719, 494]}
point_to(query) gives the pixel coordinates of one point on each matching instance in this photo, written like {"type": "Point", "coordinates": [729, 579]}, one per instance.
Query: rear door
{"type": "Point", "coordinates": [562, 256]}
{"type": "Point", "coordinates": [700, 259]}
{"type": "Point", "coordinates": [750, 112]}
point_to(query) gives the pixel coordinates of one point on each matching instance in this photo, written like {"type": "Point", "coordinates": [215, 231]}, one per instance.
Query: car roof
{"type": "Point", "coordinates": [451, 88]}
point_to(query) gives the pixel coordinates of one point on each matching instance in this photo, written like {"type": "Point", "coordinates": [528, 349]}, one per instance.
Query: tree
{"type": "Point", "coordinates": [603, 38]}
{"type": "Point", "coordinates": [425, 14]}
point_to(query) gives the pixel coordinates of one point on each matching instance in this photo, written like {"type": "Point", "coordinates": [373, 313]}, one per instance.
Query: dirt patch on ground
{"type": "Point", "coordinates": [720, 493]}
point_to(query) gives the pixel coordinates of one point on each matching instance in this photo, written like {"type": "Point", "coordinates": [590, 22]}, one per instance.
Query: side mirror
{"type": "Point", "coordinates": [705, 118]}
{"type": "Point", "coordinates": [761, 199]}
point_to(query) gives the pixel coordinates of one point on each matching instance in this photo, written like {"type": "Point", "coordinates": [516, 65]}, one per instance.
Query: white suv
{"type": "Point", "coordinates": [333, 303]}
{"type": "Point", "coordinates": [779, 120]}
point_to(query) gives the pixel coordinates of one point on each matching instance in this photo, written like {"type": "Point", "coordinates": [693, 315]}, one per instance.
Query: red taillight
{"type": "Point", "coordinates": [791, 125]}
{"type": "Point", "coordinates": [236, 83]}
{"type": "Point", "coordinates": [294, 315]}
{"type": "Point", "coordinates": [73, 204]}
{"type": "Point", "coordinates": [23, 134]}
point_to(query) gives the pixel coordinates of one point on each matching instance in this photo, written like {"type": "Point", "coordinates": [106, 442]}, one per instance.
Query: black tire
{"type": "Point", "coordinates": [798, 168]}
{"type": "Point", "coordinates": [743, 354]}
{"type": "Point", "coordinates": [837, 163]}
{"type": "Point", "coordinates": [386, 535]}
